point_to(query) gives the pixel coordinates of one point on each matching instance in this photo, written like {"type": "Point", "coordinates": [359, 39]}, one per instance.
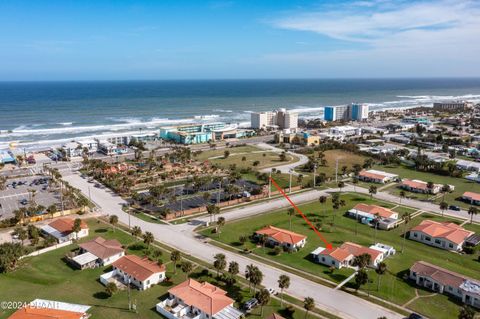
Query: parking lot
{"type": "Point", "coordinates": [17, 195]}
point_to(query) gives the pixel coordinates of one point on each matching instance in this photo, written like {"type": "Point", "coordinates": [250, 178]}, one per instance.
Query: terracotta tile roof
{"type": "Point", "coordinates": [337, 253]}
{"type": "Point", "coordinates": [102, 248]}
{"type": "Point", "coordinates": [415, 184]}
{"type": "Point", "coordinates": [472, 195]}
{"type": "Point", "coordinates": [374, 209]}
{"type": "Point", "coordinates": [204, 296]}
{"type": "Point", "coordinates": [347, 249]}
{"type": "Point", "coordinates": [139, 268]}
{"type": "Point", "coordinates": [441, 275]}
{"type": "Point", "coordinates": [371, 175]}
{"type": "Point", "coordinates": [65, 225]}
{"type": "Point", "coordinates": [281, 235]}
{"type": "Point", "coordinates": [275, 316]}
{"type": "Point", "coordinates": [450, 231]}
{"type": "Point", "coordinates": [45, 313]}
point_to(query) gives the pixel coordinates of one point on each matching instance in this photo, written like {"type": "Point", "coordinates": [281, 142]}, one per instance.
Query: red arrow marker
{"type": "Point", "coordinates": [327, 244]}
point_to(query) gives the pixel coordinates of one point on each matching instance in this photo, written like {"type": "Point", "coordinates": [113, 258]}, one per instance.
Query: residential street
{"type": "Point", "coordinates": [182, 238]}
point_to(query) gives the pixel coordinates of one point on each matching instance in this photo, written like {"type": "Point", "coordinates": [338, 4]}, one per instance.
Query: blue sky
{"type": "Point", "coordinates": [82, 40]}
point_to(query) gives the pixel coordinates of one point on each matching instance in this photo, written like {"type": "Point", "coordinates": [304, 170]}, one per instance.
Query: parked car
{"type": "Point", "coordinates": [250, 304]}
{"type": "Point", "coordinates": [24, 202]}
{"type": "Point", "coordinates": [415, 316]}
{"type": "Point", "coordinates": [454, 207]}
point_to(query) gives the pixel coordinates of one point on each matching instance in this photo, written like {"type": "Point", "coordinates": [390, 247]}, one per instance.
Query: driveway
{"type": "Point", "coordinates": [287, 167]}
{"type": "Point", "coordinates": [184, 239]}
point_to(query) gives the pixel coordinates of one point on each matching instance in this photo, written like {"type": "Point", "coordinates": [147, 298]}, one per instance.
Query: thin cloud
{"type": "Point", "coordinates": [373, 21]}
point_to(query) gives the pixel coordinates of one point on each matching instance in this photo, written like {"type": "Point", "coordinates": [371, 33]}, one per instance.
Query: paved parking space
{"type": "Point", "coordinates": [11, 198]}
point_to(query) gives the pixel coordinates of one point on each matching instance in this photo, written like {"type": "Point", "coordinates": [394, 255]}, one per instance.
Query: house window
{"type": "Point", "coordinates": [415, 235]}
{"type": "Point", "coordinates": [450, 245]}
{"type": "Point", "coordinates": [428, 238]}
{"type": "Point", "coordinates": [437, 241]}
{"type": "Point", "coordinates": [333, 262]}
{"type": "Point", "coordinates": [323, 258]}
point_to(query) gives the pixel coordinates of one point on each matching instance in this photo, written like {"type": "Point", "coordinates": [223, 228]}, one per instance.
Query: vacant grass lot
{"type": "Point", "coordinates": [461, 184]}
{"type": "Point", "coordinates": [48, 276]}
{"type": "Point", "coordinates": [345, 158]}
{"type": "Point", "coordinates": [393, 287]}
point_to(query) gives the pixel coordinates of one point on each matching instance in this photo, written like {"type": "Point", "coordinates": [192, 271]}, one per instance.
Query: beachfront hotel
{"type": "Point", "coordinates": [351, 112]}
{"type": "Point", "coordinates": [202, 133]}
{"type": "Point", "coordinates": [278, 119]}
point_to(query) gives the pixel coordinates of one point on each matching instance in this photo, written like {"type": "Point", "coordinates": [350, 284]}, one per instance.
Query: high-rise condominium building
{"type": "Point", "coordinates": [351, 112]}
{"type": "Point", "coordinates": [280, 118]}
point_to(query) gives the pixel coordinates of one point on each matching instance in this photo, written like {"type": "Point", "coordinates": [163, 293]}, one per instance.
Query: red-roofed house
{"type": "Point", "coordinates": [141, 272]}
{"type": "Point", "coordinates": [375, 176]}
{"type": "Point", "coordinates": [49, 309]}
{"type": "Point", "coordinates": [343, 256]}
{"type": "Point", "coordinates": [416, 186]}
{"type": "Point", "coordinates": [471, 198]}
{"type": "Point", "coordinates": [371, 211]}
{"type": "Point", "coordinates": [62, 229]}
{"type": "Point", "coordinates": [192, 299]}
{"type": "Point", "coordinates": [278, 236]}
{"type": "Point", "coordinates": [98, 252]}
{"type": "Point", "coordinates": [449, 236]}
{"type": "Point", "coordinates": [445, 281]}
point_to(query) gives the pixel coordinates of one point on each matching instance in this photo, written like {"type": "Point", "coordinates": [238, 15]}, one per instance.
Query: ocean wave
{"type": "Point", "coordinates": [222, 111]}
{"type": "Point", "coordinates": [23, 131]}
{"type": "Point", "coordinates": [66, 123]}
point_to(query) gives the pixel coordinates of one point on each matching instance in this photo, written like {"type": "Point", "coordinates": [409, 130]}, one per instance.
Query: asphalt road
{"type": "Point", "coordinates": [184, 239]}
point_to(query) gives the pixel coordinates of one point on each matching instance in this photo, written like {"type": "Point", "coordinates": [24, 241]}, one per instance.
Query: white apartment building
{"type": "Point", "coordinates": [278, 119]}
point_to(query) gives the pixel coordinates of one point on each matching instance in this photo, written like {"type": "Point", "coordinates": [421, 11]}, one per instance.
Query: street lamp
{"type": "Point", "coordinates": [290, 182]}
{"type": "Point", "coordinates": [314, 175]}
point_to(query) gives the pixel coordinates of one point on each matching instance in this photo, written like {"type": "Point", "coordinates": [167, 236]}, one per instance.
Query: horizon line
{"type": "Point", "coordinates": [249, 79]}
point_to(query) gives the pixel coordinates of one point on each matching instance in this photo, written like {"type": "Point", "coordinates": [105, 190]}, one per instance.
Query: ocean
{"type": "Point", "coordinates": [39, 114]}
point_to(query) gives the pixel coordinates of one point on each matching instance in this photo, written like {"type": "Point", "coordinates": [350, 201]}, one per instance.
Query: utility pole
{"type": "Point", "coordinates": [129, 297]}
{"type": "Point", "coordinates": [290, 183]}
{"type": "Point", "coordinates": [314, 175]}
{"type": "Point", "coordinates": [336, 171]}
{"type": "Point", "coordinates": [270, 184]}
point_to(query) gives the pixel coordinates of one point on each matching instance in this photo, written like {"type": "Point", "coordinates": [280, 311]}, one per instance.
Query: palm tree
{"type": "Point", "coordinates": [402, 196]}
{"type": "Point", "coordinates": [443, 207]}
{"type": "Point", "coordinates": [113, 221]}
{"type": "Point", "coordinates": [380, 270]}
{"type": "Point", "coordinates": [243, 240]}
{"type": "Point", "coordinates": [355, 182]}
{"type": "Point", "coordinates": [283, 283]}
{"type": "Point", "coordinates": [263, 297]}
{"type": "Point", "coordinates": [220, 224]}
{"type": "Point", "coordinates": [308, 305]}
{"type": "Point", "coordinates": [372, 190]}
{"type": "Point", "coordinates": [175, 257]}
{"type": "Point", "coordinates": [187, 267]}
{"type": "Point", "coordinates": [472, 211]}
{"type": "Point", "coordinates": [323, 200]}
{"type": "Point", "coordinates": [77, 226]}
{"type": "Point", "coordinates": [341, 185]}
{"type": "Point", "coordinates": [406, 219]}
{"type": "Point", "coordinates": [220, 262]}
{"type": "Point", "coordinates": [233, 270]}
{"type": "Point", "coordinates": [136, 231]}
{"type": "Point", "coordinates": [148, 238]}
{"type": "Point", "coordinates": [290, 213]}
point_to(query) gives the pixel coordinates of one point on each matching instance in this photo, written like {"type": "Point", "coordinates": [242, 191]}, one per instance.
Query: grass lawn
{"type": "Point", "coordinates": [437, 306]}
{"type": "Point", "coordinates": [47, 276]}
{"type": "Point", "coordinates": [204, 155]}
{"type": "Point", "coordinates": [345, 158]}
{"type": "Point", "coordinates": [461, 184]}
{"type": "Point", "coordinates": [392, 287]}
